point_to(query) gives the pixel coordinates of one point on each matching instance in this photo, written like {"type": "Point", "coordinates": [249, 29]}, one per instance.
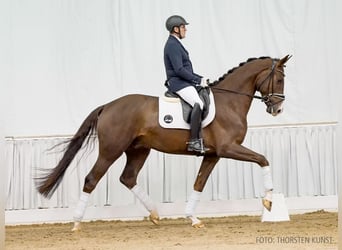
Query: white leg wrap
{"type": "Point", "coordinates": [268, 183]}
{"type": "Point", "coordinates": [192, 203]}
{"type": "Point", "coordinates": [81, 207]}
{"type": "Point", "coordinates": [144, 198]}
{"type": "Point", "coordinates": [194, 220]}
{"type": "Point", "coordinates": [268, 195]}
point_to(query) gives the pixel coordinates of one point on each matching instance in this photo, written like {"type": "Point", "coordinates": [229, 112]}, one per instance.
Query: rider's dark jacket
{"type": "Point", "coordinates": [178, 66]}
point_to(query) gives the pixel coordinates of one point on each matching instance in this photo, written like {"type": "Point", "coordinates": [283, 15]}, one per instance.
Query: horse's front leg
{"type": "Point", "coordinates": [239, 152]}
{"type": "Point", "coordinates": [207, 166]}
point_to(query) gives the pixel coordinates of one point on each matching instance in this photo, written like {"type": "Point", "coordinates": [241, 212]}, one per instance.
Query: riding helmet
{"type": "Point", "coordinates": [175, 21]}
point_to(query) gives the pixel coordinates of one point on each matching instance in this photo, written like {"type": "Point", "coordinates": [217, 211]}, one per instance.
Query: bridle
{"type": "Point", "coordinates": [265, 98]}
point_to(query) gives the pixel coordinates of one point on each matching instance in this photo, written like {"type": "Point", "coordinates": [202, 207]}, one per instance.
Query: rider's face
{"type": "Point", "coordinates": [182, 31]}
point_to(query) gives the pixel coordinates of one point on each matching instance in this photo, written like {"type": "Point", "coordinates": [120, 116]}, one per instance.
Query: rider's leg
{"type": "Point", "coordinates": [190, 95]}
{"type": "Point", "coordinates": [196, 140]}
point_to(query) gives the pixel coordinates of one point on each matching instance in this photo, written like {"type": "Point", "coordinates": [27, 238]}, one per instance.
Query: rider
{"type": "Point", "coordinates": [182, 80]}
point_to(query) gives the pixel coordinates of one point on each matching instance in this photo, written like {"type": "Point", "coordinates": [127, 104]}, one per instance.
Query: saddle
{"type": "Point", "coordinates": [186, 107]}
{"type": "Point", "coordinates": [175, 113]}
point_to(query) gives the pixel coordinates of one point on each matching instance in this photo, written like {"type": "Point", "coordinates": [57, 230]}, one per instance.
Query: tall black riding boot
{"type": "Point", "coordinates": [196, 141]}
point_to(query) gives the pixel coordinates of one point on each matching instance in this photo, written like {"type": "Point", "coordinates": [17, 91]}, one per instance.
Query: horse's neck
{"type": "Point", "coordinates": [239, 88]}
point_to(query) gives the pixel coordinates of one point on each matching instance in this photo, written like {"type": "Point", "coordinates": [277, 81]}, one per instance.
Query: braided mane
{"type": "Point", "coordinates": [240, 65]}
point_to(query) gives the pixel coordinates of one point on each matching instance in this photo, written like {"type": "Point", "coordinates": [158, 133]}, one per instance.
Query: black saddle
{"type": "Point", "coordinates": [186, 107]}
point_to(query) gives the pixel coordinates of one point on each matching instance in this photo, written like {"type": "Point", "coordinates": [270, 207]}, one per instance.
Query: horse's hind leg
{"type": "Point", "coordinates": [96, 173]}
{"type": "Point", "coordinates": [135, 161]}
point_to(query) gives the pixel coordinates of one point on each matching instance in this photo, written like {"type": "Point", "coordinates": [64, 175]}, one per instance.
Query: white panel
{"type": "Point", "coordinates": [303, 162]}
{"type": "Point", "coordinates": [170, 210]}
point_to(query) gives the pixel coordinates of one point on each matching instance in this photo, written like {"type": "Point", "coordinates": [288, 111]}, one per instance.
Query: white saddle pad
{"type": "Point", "coordinates": [171, 114]}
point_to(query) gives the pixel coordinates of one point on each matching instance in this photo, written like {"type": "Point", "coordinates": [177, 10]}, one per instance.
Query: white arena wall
{"type": "Point", "coordinates": [61, 59]}
{"type": "Point", "coordinates": [303, 159]}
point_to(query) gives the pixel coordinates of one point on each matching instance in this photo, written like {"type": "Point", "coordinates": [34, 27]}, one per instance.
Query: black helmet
{"type": "Point", "coordinates": [175, 21]}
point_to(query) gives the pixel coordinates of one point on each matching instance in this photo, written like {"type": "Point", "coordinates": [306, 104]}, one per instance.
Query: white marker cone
{"type": "Point", "coordinates": [279, 211]}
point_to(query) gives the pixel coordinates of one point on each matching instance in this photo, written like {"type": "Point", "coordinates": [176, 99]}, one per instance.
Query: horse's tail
{"type": "Point", "coordinates": [48, 184]}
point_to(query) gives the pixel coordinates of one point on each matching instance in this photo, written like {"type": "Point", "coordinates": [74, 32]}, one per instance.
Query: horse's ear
{"type": "Point", "coordinates": [284, 60]}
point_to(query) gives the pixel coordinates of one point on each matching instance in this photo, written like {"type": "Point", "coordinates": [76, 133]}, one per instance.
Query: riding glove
{"type": "Point", "coordinates": [204, 82]}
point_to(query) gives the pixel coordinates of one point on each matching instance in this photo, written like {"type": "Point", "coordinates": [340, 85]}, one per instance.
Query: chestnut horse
{"type": "Point", "coordinates": [130, 125]}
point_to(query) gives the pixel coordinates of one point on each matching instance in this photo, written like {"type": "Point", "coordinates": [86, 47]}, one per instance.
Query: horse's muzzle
{"type": "Point", "coordinates": [274, 109]}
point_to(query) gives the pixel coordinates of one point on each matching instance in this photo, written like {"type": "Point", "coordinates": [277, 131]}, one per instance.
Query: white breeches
{"type": "Point", "coordinates": [190, 95]}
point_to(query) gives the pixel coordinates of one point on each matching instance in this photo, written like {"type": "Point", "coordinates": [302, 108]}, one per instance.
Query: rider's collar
{"type": "Point", "coordinates": [176, 37]}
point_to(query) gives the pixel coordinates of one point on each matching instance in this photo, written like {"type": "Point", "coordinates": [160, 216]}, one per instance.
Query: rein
{"type": "Point", "coordinates": [238, 93]}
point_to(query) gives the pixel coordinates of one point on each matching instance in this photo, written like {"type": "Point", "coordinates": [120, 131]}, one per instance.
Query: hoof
{"type": "Point", "coordinates": [196, 223]}
{"type": "Point", "coordinates": [154, 217]}
{"type": "Point", "coordinates": [199, 224]}
{"type": "Point", "coordinates": [77, 227]}
{"type": "Point", "coordinates": [267, 204]}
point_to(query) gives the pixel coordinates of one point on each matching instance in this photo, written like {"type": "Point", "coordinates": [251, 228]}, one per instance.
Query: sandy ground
{"type": "Point", "coordinates": [316, 230]}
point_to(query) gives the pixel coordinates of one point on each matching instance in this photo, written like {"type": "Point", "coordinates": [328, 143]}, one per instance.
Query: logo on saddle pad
{"type": "Point", "coordinates": [175, 113]}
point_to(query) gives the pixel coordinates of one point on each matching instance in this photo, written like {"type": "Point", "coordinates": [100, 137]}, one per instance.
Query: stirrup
{"type": "Point", "coordinates": [197, 145]}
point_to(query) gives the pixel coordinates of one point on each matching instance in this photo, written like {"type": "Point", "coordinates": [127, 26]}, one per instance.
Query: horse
{"type": "Point", "coordinates": [136, 131]}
